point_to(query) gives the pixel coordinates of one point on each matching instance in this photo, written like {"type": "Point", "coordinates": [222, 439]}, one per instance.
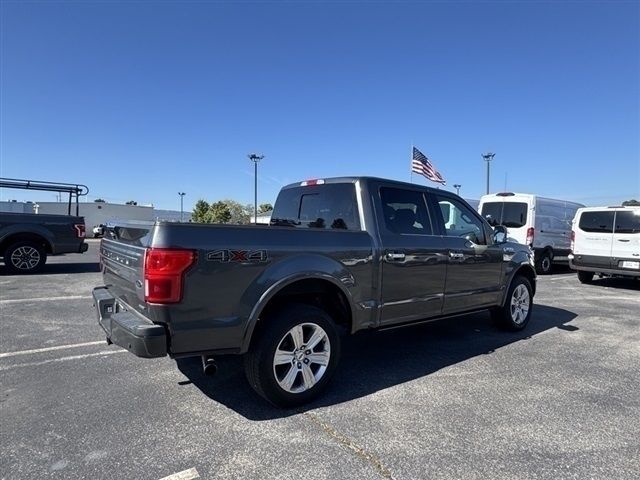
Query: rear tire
{"type": "Point", "coordinates": [25, 257]}
{"type": "Point", "coordinates": [544, 262]}
{"type": "Point", "coordinates": [585, 277]}
{"type": "Point", "coordinates": [515, 314]}
{"type": "Point", "coordinates": [294, 356]}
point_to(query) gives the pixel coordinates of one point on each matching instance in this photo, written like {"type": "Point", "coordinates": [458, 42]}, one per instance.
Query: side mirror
{"type": "Point", "coordinates": [499, 234]}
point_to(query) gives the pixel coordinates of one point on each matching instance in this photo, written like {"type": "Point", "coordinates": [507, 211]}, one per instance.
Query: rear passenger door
{"type": "Point", "coordinates": [474, 263]}
{"type": "Point", "coordinates": [594, 238]}
{"type": "Point", "coordinates": [625, 250]}
{"type": "Point", "coordinates": [413, 260]}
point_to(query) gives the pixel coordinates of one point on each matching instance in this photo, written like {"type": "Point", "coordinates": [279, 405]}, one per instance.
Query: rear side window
{"type": "Point", "coordinates": [628, 222]}
{"type": "Point", "coordinates": [330, 206]}
{"type": "Point", "coordinates": [405, 211]}
{"type": "Point", "coordinates": [601, 222]}
{"type": "Point", "coordinates": [509, 214]}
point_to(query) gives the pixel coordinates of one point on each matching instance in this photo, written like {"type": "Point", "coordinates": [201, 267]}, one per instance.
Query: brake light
{"type": "Point", "coordinates": [164, 274]}
{"type": "Point", "coordinates": [80, 230]}
{"type": "Point", "coordinates": [573, 240]}
{"type": "Point", "coordinates": [530, 233]}
{"type": "Point", "coordinates": [309, 183]}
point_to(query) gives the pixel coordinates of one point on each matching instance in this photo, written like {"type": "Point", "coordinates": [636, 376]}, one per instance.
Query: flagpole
{"type": "Point", "coordinates": [411, 162]}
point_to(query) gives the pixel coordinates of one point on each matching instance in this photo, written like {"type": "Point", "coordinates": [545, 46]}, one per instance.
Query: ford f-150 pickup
{"type": "Point", "coordinates": [340, 255]}
{"type": "Point", "coordinates": [27, 238]}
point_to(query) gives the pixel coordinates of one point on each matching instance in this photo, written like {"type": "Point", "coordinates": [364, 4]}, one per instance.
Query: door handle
{"type": "Point", "coordinates": [623, 240]}
{"type": "Point", "coordinates": [395, 257]}
{"type": "Point", "coordinates": [456, 255]}
{"type": "Point", "coordinates": [508, 250]}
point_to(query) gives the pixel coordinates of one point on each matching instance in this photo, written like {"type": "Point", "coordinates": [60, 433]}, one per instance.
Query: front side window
{"type": "Point", "coordinates": [600, 222]}
{"type": "Point", "coordinates": [628, 222]}
{"type": "Point", "coordinates": [459, 221]}
{"type": "Point", "coordinates": [509, 214]}
{"type": "Point", "coordinates": [405, 211]}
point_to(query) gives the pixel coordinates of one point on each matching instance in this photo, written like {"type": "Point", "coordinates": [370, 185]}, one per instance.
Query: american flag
{"type": "Point", "coordinates": [422, 165]}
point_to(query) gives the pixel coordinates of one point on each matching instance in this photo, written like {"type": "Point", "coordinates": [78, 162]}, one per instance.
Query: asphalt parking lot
{"type": "Point", "coordinates": [454, 399]}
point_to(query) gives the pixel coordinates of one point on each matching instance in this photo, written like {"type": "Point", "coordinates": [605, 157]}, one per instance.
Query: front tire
{"type": "Point", "coordinates": [294, 357]}
{"type": "Point", "coordinates": [25, 257]}
{"type": "Point", "coordinates": [515, 314]}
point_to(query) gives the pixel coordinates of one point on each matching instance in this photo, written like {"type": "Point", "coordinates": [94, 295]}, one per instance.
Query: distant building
{"type": "Point", "coordinates": [263, 218]}
{"type": "Point", "coordinates": [96, 213]}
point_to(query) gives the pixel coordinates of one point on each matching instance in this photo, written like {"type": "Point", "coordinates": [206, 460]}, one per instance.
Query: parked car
{"type": "Point", "coordinates": [606, 240]}
{"type": "Point", "coordinates": [340, 255]}
{"type": "Point", "coordinates": [98, 230]}
{"type": "Point", "coordinates": [542, 223]}
{"type": "Point", "coordinates": [27, 238]}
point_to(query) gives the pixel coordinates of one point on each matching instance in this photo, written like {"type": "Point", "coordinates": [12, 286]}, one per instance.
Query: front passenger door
{"type": "Point", "coordinates": [474, 268]}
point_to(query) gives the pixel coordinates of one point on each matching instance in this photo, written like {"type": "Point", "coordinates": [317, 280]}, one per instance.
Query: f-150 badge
{"type": "Point", "coordinates": [239, 256]}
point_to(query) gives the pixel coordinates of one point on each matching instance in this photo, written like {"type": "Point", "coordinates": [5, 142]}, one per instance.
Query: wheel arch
{"type": "Point", "coordinates": [525, 270]}
{"type": "Point", "coordinates": [28, 236]}
{"type": "Point", "coordinates": [320, 289]}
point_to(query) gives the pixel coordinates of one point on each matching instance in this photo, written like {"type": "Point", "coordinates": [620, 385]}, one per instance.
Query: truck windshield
{"type": "Point", "coordinates": [509, 214]}
{"type": "Point", "coordinates": [331, 206]}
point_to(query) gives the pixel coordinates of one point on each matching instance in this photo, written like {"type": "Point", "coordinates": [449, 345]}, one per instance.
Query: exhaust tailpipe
{"type": "Point", "coordinates": [209, 366]}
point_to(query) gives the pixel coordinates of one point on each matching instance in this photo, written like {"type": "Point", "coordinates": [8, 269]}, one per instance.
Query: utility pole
{"type": "Point", "coordinates": [182, 194]}
{"type": "Point", "coordinates": [488, 157]}
{"type": "Point", "coordinates": [457, 186]}
{"type": "Point", "coordinates": [255, 158]}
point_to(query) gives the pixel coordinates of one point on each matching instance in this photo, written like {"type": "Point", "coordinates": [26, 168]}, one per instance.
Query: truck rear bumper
{"type": "Point", "coordinates": [128, 330]}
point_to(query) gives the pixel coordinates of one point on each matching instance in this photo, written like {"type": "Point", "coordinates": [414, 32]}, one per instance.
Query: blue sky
{"type": "Point", "coordinates": [140, 100]}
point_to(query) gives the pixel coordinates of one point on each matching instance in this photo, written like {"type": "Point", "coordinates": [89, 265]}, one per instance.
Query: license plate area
{"type": "Point", "coordinates": [629, 264]}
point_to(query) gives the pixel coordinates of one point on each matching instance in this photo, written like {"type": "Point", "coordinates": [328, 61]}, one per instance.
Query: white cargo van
{"type": "Point", "coordinates": [606, 240]}
{"type": "Point", "coordinates": [542, 223]}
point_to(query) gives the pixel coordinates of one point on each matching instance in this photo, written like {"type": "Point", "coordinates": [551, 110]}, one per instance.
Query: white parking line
{"type": "Point", "coordinates": [50, 349]}
{"type": "Point", "coordinates": [61, 359]}
{"type": "Point", "coordinates": [43, 299]}
{"type": "Point", "coordinates": [184, 475]}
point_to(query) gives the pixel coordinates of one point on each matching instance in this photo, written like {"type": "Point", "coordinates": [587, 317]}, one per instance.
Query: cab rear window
{"type": "Point", "coordinates": [328, 206]}
{"type": "Point", "coordinates": [600, 222]}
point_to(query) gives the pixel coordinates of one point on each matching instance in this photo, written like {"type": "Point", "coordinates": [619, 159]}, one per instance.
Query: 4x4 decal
{"type": "Point", "coordinates": [239, 256]}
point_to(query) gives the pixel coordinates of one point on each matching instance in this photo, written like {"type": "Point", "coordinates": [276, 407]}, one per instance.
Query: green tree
{"type": "Point", "coordinates": [631, 203]}
{"type": "Point", "coordinates": [219, 212]}
{"type": "Point", "coordinates": [240, 214]}
{"type": "Point", "coordinates": [264, 207]}
{"type": "Point", "coordinates": [99, 200]}
{"type": "Point", "coordinates": [131, 202]}
{"type": "Point", "coordinates": [201, 212]}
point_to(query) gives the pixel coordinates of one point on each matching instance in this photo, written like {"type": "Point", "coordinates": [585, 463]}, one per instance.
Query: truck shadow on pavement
{"type": "Point", "coordinates": [373, 361]}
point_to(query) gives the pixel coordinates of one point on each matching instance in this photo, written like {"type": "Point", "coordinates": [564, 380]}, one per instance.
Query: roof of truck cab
{"type": "Point", "coordinates": [333, 180]}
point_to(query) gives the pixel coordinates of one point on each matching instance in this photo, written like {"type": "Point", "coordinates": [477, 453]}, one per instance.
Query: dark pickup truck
{"type": "Point", "coordinates": [27, 238]}
{"type": "Point", "coordinates": [340, 255]}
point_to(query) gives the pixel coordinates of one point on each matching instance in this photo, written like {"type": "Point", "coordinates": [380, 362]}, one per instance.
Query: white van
{"type": "Point", "coordinates": [542, 223]}
{"type": "Point", "coordinates": [606, 240]}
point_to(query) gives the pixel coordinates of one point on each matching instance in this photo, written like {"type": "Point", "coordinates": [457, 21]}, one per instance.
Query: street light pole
{"type": "Point", "coordinates": [255, 158]}
{"type": "Point", "coordinates": [457, 186]}
{"type": "Point", "coordinates": [182, 194]}
{"type": "Point", "coordinates": [488, 157]}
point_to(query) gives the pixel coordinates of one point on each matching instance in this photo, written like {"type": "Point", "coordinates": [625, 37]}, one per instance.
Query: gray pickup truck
{"type": "Point", "coordinates": [27, 238]}
{"type": "Point", "coordinates": [341, 255]}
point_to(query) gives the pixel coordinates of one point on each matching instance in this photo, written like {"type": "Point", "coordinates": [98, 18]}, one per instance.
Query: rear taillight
{"type": "Point", "coordinates": [530, 232]}
{"type": "Point", "coordinates": [80, 230]}
{"type": "Point", "coordinates": [164, 274]}
{"type": "Point", "coordinates": [573, 240]}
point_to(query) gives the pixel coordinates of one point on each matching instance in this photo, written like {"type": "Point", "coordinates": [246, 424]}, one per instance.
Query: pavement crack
{"type": "Point", "coordinates": [350, 445]}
